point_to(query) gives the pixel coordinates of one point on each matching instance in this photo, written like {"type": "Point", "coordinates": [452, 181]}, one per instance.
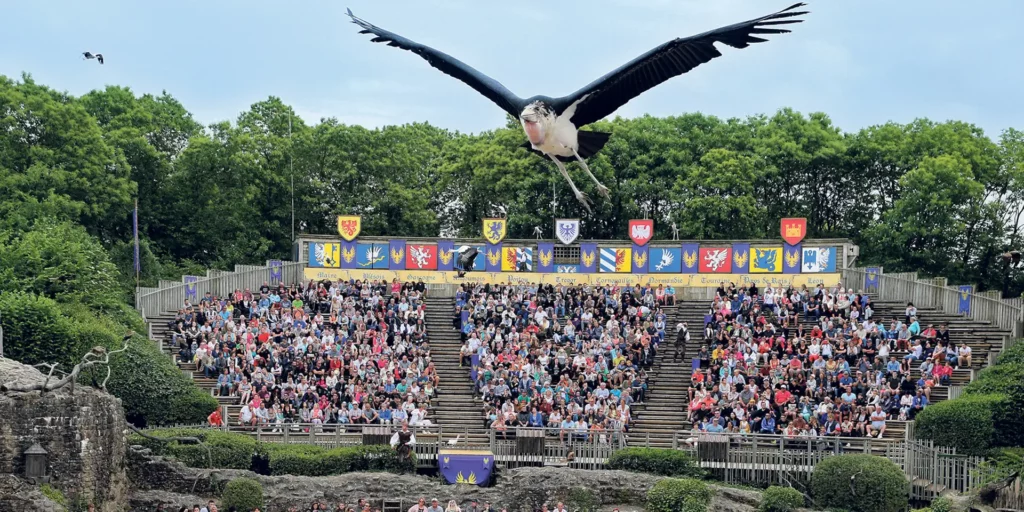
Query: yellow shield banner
{"type": "Point", "coordinates": [494, 230]}
{"type": "Point", "coordinates": [349, 226]}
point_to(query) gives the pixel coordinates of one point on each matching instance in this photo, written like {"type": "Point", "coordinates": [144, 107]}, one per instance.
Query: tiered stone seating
{"type": "Point", "coordinates": [665, 410]}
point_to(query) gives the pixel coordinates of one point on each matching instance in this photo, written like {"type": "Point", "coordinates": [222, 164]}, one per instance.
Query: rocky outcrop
{"type": "Point", "coordinates": [82, 430]}
{"type": "Point", "coordinates": [519, 489]}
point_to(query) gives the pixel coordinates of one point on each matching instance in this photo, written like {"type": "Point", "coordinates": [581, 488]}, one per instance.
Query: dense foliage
{"type": "Point", "coordinates": [239, 451]}
{"type": "Point", "coordinates": [939, 198]}
{"type": "Point", "coordinates": [657, 461]}
{"type": "Point", "coordinates": [242, 494]}
{"type": "Point", "coordinates": [860, 483]}
{"type": "Point", "coordinates": [780, 499]}
{"type": "Point", "coordinates": [679, 495]}
{"type": "Point", "coordinates": [965, 424]}
{"type": "Point", "coordinates": [987, 415]}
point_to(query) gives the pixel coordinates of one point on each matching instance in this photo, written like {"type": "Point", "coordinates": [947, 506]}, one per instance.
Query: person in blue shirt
{"type": "Point", "coordinates": [768, 424]}
{"type": "Point", "coordinates": [536, 418]}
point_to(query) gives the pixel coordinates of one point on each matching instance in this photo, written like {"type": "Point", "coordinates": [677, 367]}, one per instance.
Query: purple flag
{"type": "Point", "coordinates": [275, 271]}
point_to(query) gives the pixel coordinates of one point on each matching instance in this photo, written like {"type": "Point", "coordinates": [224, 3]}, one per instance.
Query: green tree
{"type": "Point", "coordinates": [55, 162]}
{"type": "Point", "coordinates": [717, 198]}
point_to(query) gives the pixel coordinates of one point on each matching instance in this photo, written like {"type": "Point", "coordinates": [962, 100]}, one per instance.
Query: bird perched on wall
{"type": "Point", "coordinates": [90, 56]}
{"type": "Point", "coordinates": [538, 232]}
{"type": "Point", "coordinates": [552, 125]}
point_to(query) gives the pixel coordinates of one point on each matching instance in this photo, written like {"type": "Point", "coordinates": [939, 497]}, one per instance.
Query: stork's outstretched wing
{"type": "Point", "coordinates": [451, 66]}
{"type": "Point", "coordinates": [606, 94]}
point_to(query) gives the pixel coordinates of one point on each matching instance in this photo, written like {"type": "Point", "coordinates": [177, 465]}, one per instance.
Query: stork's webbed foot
{"type": "Point", "coordinates": [582, 197]}
{"type": "Point", "coordinates": [603, 190]}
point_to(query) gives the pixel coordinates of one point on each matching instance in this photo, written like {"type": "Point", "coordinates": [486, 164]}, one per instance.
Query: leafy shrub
{"type": "Point", "coordinates": [1005, 378]}
{"type": "Point", "coordinates": [877, 485]}
{"type": "Point", "coordinates": [780, 499]}
{"type": "Point", "coordinates": [229, 451]}
{"type": "Point", "coordinates": [36, 331]}
{"type": "Point", "coordinates": [658, 461]}
{"type": "Point", "coordinates": [581, 499]}
{"type": "Point", "coordinates": [242, 494]}
{"type": "Point", "coordinates": [941, 504]}
{"type": "Point", "coordinates": [679, 495]}
{"type": "Point", "coordinates": [965, 424]}
{"type": "Point", "coordinates": [153, 390]}
{"type": "Point", "coordinates": [55, 495]}
{"type": "Point", "coordinates": [309, 460]}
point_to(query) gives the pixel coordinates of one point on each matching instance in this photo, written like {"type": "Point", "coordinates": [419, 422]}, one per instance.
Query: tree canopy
{"type": "Point", "coordinates": [941, 198]}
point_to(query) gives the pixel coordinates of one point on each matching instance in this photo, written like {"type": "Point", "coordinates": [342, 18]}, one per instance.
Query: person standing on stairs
{"type": "Point", "coordinates": [682, 339]}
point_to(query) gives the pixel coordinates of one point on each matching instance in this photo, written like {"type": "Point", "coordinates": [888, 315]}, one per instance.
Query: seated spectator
{"type": "Point", "coordinates": [575, 357]}
{"type": "Point", "coordinates": [327, 353]}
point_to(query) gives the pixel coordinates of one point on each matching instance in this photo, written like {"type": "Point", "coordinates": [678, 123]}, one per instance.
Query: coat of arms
{"type": "Point", "coordinates": [494, 230]}
{"type": "Point", "coordinates": [567, 230]}
{"type": "Point", "coordinates": [349, 226]}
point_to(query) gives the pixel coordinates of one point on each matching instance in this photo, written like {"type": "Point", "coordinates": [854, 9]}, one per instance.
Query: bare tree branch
{"type": "Point", "coordinates": [98, 355]}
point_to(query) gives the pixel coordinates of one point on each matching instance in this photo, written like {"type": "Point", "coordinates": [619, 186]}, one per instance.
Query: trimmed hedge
{"type": "Point", "coordinates": [657, 461]}
{"type": "Point", "coordinates": [239, 451]}
{"type": "Point", "coordinates": [966, 424]}
{"type": "Point", "coordinates": [309, 460]}
{"type": "Point", "coordinates": [679, 495]}
{"type": "Point", "coordinates": [229, 451]}
{"type": "Point", "coordinates": [780, 499]}
{"type": "Point", "coordinates": [242, 494]}
{"type": "Point", "coordinates": [860, 483]}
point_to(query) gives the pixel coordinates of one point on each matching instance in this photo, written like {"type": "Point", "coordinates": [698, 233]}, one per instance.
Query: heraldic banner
{"type": "Point", "coordinates": [466, 466]}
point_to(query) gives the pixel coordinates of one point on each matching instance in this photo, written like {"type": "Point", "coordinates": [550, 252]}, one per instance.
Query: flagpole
{"type": "Point", "coordinates": [135, 228]}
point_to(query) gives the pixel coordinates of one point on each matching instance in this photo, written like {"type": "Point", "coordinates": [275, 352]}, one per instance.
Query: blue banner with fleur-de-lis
{"type": "Point", "coordinates": [473, 467]}
{"type": "Point", "coordinates": [191, 290]}
{"type": "Point", "coordinates": [641, 256]}
{"type": "Point", "coordinates": [275, 271]}
{"type": "Point", "coordinates": [545, 257]}
{"type": "Point", "coordinates": [872, 277]}
{"type": "Point", "coordinates": [964, 299]}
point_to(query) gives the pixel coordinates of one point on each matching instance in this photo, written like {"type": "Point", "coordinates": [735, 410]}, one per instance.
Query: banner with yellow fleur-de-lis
{"type": "Point", "coordinates": [471, 467]}
{"type": "Point", "coordinates": [791, 258]}
{"type": "Point", "coordinates": [396, 255]}
{"type": "Point", "coordinates": [641, 255]}
{"type": "Point", "coordinates": [545, 257]}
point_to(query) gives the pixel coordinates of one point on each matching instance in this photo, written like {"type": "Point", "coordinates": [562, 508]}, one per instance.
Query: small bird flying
{"type": "Point", "coordinates": [90, 56]}
{"type": "Point", "coordinates": [552, 125]}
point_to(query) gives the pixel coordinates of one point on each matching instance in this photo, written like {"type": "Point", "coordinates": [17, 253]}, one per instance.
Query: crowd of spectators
{"type": "Point", "coordinates": [324, 353]}
{"type": "Point", "coordinates": [365, 505]}
{"type": "Point", "coordinates": [814, 362]}
{"type": "Point", "coordinates": [572, 358]}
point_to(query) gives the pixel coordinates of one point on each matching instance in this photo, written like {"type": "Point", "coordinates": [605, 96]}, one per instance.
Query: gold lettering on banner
{"type": "Point", "coordinates": [570, 279]}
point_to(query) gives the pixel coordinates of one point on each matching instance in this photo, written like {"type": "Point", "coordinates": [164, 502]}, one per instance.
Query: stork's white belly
{"type": "Point", "coordinates": [562, 139]}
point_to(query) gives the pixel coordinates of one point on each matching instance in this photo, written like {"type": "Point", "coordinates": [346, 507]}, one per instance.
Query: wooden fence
{"type": "Point", "coordinates": [1007, 314]}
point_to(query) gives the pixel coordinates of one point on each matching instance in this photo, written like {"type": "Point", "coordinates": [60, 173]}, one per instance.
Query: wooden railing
{"type": "Point", "coordinates": [1007, 314]}
{"type": "Point", "coordinates": [170, 295]}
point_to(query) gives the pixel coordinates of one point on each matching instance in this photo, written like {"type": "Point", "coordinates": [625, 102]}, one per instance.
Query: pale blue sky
{"type": "Point", "coordinates": [863, 62]}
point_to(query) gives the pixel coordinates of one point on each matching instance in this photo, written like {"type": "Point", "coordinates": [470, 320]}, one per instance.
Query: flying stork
{"type": "Point", "coordinates": [552, 124]}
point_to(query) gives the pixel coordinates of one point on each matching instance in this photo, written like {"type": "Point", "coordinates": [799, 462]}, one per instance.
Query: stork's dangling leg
{"type": "Point", "coordinates": [601, 189]}
{"type": "Point", "coordinates": [565, 174]}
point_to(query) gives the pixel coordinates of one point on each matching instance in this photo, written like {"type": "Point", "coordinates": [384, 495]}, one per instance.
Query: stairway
{"type": "Point", "coordinates": [456, 407]}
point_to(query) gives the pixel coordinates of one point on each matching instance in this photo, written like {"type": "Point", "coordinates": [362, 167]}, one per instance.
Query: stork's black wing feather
{"type": "Point", "coordinates": [606, 94]}
{"type": "Point", "coordinates": [451, 66]}
{"type": "Point", "coordinates": [99, 57]}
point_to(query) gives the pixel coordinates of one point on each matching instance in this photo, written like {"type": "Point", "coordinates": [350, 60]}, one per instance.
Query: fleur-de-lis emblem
{"type": "Point", "coordinates": [446, 459]}
{"type": "Point", "coordinates": [446, 256]}
{"type": "Point", "coordinates": [486, 461]}
{"type": "Point", "coordinates": [640, 258]}
{"type": "Point", "coordinates": [588, 259]}
{"type": "Point", "coordinates": [740, 258]}
{"type": "Point", "coordinates": [792, 259]}
{"type": "Point", "coordinates": [397, 255]}
{"type": "Point", "coordinates": [459, 479]}
{"type": "Point", "coordinates": [545, 258]}
{"type": "Point", "coordinates": [963, 295]}
{"type": "Point", "coordinates": [494, 257]}
{"type": "Point", "coordinates": [871, 276]}
{"type": "Point", "coordinates": [348, 254]}
{"type": "Point", "coordinates": [690, 258]}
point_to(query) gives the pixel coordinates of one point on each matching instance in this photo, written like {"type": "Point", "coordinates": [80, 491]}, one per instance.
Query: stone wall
{"type": "Point", "coordinates": [83, 433]}
{"type": "Point", "coordinates": [158, 480]}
